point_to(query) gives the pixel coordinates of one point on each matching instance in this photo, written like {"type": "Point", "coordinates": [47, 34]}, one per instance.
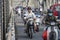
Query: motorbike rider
{"type": "Point", "coordinates": [30, 14]}
{"type": "Point", "coordinates": [49, 18]}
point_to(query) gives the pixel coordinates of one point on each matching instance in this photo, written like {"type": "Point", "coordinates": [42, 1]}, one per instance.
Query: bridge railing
{"type": "Point", "coordinates": [11, 28]}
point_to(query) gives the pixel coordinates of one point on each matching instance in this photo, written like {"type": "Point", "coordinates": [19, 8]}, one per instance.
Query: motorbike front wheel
{"type": "Point", "coordinates": [30, 33]}
{"type": "Point", "coordinates": [52, 36]}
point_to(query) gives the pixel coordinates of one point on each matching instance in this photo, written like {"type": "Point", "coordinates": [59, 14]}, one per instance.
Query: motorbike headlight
{"type": "Point", "coordinates": [38, 16]}
{"type": "Point", "coordinates": [52, 23]}
{"type": "Point", "coordinates": [24, 17]}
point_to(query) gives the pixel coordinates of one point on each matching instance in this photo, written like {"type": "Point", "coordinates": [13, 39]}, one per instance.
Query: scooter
{"type": "Point", "coordinates": [38, 22]}
{"type": "Point", "coordinates": [52, 32]}
{"type": "Point", "coordinates": [18, 11]}
{"type": "Point", "coordinates": [30, 28]}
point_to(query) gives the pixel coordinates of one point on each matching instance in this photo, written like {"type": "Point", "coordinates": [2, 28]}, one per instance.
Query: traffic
{"type": "Point", "coordinates": [33, 18]}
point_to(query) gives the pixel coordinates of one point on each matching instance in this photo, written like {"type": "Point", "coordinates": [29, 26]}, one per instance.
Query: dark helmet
{"type": "Point", "coordinates": [29, 8]}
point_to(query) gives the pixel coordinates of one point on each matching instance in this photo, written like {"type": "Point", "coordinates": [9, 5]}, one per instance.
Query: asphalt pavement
{"type": "Point", "coordinates": [19, 29]}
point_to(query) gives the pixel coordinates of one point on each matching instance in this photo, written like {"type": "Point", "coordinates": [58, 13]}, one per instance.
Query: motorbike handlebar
{"type": "Point", "coordinates": [52, 25]}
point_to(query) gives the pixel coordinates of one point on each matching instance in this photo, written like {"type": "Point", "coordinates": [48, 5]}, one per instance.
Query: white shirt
{"type": "Point", "coordinates": [31, 14]}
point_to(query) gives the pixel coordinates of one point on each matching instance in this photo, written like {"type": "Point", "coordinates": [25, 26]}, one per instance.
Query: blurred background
{"type": "Point", "coordinates": [12, 26]}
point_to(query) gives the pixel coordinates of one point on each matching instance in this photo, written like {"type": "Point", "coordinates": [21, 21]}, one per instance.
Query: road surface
{"type": "Point", "coordinates": [19, 29]}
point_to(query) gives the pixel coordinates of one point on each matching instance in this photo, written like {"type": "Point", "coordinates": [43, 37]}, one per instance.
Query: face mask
{"type": "Point", "coordinates": [50, 14]}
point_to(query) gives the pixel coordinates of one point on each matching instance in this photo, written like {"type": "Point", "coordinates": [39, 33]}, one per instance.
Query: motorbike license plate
{"type": "Point", "coordinates": [52, 23]}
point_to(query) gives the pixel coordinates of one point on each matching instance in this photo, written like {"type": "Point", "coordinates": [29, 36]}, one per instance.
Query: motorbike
{"type": "Point", "coordinates": [37, 22]}
{"type": "Point", "coordinates": [30, 28]}
{"type": "Point", "coordinates": [52, 32]}
{"type": "Point", "coordinates": [18, 11]}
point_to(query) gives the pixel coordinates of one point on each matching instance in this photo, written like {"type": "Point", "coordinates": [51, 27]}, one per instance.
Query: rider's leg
{"type": "Point", "coordinates": [35, 28]}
